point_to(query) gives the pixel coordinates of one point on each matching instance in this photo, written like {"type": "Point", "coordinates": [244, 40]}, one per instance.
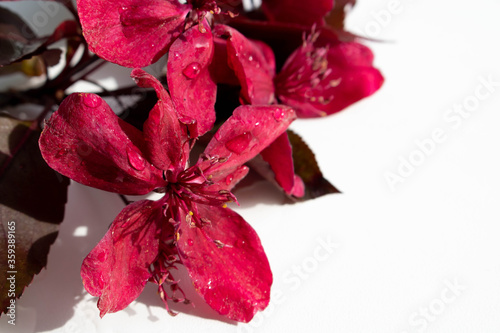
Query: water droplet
{"type": "Point", "coordinates": [250, 58]}
{"type": "Point", "coordinates": [190, 242]}
{"type": "Point", "coordinates": [100, 281]}
{"type": "Point", "coordinates": [240, 143]}
{"type": "Point", "coordinates": [192, 70]}
{"type": "Point", "coordinates": [91, 100]}
{"type": "Point", "coordinates": [229, 180]}
{"type": "Point", "coordinates": [135, 159]}
{"type": "Point", "coordinates": [279, 114]}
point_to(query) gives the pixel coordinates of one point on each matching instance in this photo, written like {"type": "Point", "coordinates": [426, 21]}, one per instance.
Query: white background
{"type": "Point", "coordinates": [418, 254]}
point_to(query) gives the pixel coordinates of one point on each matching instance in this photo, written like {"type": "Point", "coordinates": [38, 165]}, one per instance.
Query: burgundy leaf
{"type": "Point", "coordinates": [307, 168]}
{"type": "Point", "coordinates": [32, 200]}
{"type": "Point", "coordinates": [18, 41]}
{"type": "Point", "coordinates": [336, 17]}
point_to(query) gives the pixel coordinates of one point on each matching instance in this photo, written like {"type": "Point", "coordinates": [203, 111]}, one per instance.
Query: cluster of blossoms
{"type": "Point", "coordinates": [283, 61]}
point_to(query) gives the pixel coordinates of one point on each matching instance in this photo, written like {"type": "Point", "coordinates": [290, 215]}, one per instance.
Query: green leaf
{"type": "Point", "coordinates": [306, 166]}
{"type": "Point", "coordinates": [32, 200]}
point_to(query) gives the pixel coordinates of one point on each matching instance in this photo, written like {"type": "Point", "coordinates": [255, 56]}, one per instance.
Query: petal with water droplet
{"type": "Point", "coordinates": [193, 92]}
{"type": "Point", "coordinates": [236, 282]}
{"type": "Point", "coordinates": [253, 64]}
{"type": "Point", "coordinates": [245, 134]}
{"type": "Point", "coordinates": [131, 33]}
{"type": "Point", "coordinates": [90, 145]}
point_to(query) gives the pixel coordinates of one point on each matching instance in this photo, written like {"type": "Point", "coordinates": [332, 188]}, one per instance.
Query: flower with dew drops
{"type": "Point", "coordinates": [323, 76]}
{"type": "Point", "coordinates": [191, 224]}
{"type": "Point", "coordinates": [136, 33]}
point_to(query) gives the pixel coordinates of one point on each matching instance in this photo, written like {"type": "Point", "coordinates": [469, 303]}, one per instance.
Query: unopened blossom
{"type": "Point", "coordinates": [191, 224]}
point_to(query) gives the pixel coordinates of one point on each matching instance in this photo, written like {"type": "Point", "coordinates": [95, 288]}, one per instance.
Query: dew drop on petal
{"type": "Point", "coordinates": [279, 114]}
{"type": "Point", "coordinates": [190, 242]}
{"type": "Point", "coordinates": [229, 180]}
{"type": "Point", "coordinates": [91, 100]}
{"type": "Point", "coordinates": [192, 70]}
{"type": "Point", "coordinates": [240, 143]}
{"type": "Point", "coordinates": [100, 281]}
{"type": "Point", "coordinates": [135, 159]}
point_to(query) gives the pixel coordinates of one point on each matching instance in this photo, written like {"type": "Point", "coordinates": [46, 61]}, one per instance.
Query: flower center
{"type": "Point", "coordinates": [182, 192]}
{"type": "Point", "coordinates": [194, 186]}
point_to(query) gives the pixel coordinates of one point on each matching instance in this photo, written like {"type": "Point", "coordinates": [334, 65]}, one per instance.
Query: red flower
{"type": "Point", "coordinates": [316, 80]}
{"type": "Point", "coordinates": [321, 80]}
{"type": "Point", "coordinates": [135, 33]}
{"type": "Point", "coordinates": [190, 225]}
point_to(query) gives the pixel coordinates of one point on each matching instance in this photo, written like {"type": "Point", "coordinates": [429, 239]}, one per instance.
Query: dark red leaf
{"type": "Point", "coordinates": [307, 168]}
{"type": "Point", "coordinates": [336, 17]}
{"type": "Point", "coordinates": [18, 41]}
{"type": "Point", "coordinates": [32, 200]}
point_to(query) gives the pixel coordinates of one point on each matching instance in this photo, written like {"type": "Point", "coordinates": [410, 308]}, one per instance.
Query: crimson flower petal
{"type": "Point", "coordinates": [319, 81]}
{"type": "Point", "coordinates": [85, 141]}
{"type": "Point", "coordinates": [166, 140]}
{"type": "Point", "coordinates": [192, 89]}
{"type": "Point", "coordinates": [117, 269]}
{"type": "Point", "coordinates": [245, 134]}
{"type": "Point", "coordinates": [297, 11]}
{"type": "Point", "coordinates": [253, 63]}
{"type": "Point", "coordinates": [131, 33]}
{"type": "Point", "coordinates": [279, 156]}
{"type": "Point", "coordinates": [226, 263]}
